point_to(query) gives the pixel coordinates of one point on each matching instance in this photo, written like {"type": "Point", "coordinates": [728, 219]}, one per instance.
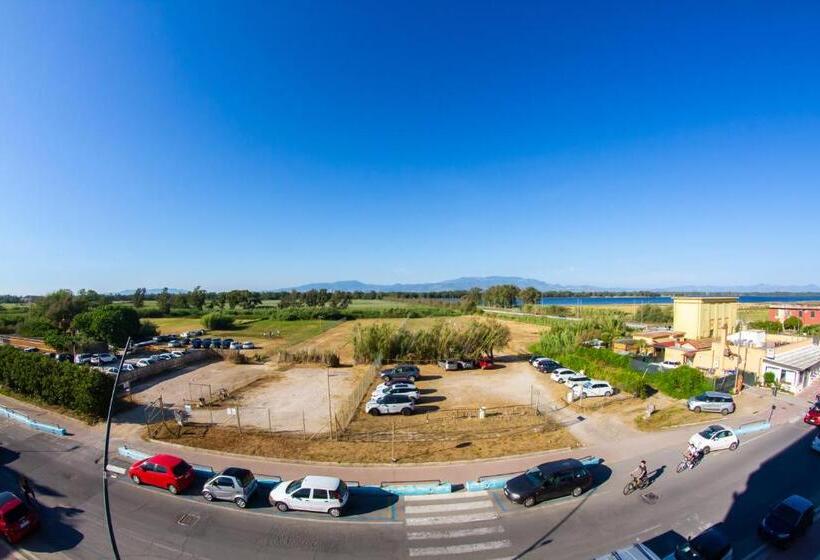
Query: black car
{"type": "Point", "coordinates": [712, 544]}
{"type": "Point", "coordinates": [548, 481]}
{"type": "Point", "coordinates": [197, 343]}
{"type": "Point", "coordinates": [548, 366]}
{"type": "Point", "coordinates": [787, 520]}
{"type": "Point", "coordinates": [226, 343]}
{"type": "Point", "coordinates": [64, 357]}
{"type": "Point", "coordinates": [407, 371]}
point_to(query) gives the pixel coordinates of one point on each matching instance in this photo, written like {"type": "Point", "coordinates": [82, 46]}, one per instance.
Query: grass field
{"type": "Point", "coordinates": [289, 332]}
{"type": "Point", "coordinates": [750, 313]}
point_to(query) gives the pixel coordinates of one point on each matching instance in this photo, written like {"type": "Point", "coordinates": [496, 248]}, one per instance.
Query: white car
{"type": "Point", "coordinates": [107, 358]}
{"type": "Point", "coordinates": [115, 369]}
{"type": "Point", "coordinates": [669, 364]}
{"type": "Point", "coordinates": [82, 358]}
{"type": "Point", "coordinates": [715, 438]}
{"type": "Point", "coordinates": [390, 404]}
{"type": "Point", "coordinates": [143, 363]}
{"type": "Point", "coordinates": [398, 389]}
{"type": "Point", "coordinates": [174, 344]}
{"type": "Point", "coordinates": [380, 388]}
{"type": "Point", "coordinates": [236, 346]}
{"type": "Point", "coordinates": [573, 380]}
{"type": "Point", "coordinates": [248, 345]}
{"type": "Point", "coordinates": [448, 365]}
{"type": "Point", "coordinates": [165, 356]}
{"type": "Point", "coordinates": [594, 388]}
{"type": "Point", "coordinates": [177, 354]}
{"type": "Point", "coordinates": [325, 494]}
{"type": "Point", "coordinates": [560, 374]}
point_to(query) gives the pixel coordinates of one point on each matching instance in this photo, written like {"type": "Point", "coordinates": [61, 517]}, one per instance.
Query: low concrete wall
{"type": "Point", "coordinates": [156, 368]}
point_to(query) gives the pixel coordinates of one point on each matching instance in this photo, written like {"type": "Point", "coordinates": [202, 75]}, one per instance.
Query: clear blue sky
{"type": "Point", "coordinates": [264, 145]}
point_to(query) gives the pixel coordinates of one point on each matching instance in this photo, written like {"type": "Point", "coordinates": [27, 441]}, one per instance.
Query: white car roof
{"type": "Point", "coordinates": [321, 482]}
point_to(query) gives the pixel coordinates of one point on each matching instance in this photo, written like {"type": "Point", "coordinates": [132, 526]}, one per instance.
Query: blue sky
{"type": "Point", "coordinates": [264, 145]}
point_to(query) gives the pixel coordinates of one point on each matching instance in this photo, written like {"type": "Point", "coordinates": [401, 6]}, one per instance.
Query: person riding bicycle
{"type": "Point", "coordinates": [641, 472]}
{"type": "Point", "coordinates": [693, 454]}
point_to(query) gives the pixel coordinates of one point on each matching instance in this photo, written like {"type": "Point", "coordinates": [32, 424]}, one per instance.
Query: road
{"type": "Point", "coordinates": [735, 488]}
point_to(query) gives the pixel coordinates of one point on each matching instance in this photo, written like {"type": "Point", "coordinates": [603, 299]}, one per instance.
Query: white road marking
{"type": "Point", "coordinates": [460, 548]}
{"type": "Point", "coordinates": [451, 519]}
{"type": "Point", "coordinates": [455, 534]}
{"type": "Point", "coordinates": [455, 506]}
{"type": "Point", "coordinates": [436, 497]}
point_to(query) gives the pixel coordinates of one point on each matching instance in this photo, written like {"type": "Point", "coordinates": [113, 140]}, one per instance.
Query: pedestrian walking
{"type": "Point", "coordinates": [27, 490]}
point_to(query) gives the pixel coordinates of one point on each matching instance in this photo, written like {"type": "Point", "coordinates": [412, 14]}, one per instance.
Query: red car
{"type": "Point", "coordinates": [813, 415]}
{"type": "Point", "coordinates": [164, 471]}
{"type": "Point", "coordinates": [486, 363]}
{"type": "Point", "coordinates": [16, 519]}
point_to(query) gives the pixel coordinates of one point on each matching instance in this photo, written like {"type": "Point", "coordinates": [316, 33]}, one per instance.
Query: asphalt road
{"type": "Point", "coordinates": [735, 488]}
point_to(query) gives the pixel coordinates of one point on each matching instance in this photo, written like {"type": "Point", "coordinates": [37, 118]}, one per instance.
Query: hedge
{"type": "Point", "coordinates": [74, 387]}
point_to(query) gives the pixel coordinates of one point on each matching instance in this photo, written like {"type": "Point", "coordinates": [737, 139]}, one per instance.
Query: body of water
{"type": "Point", "coordinates": [628, 300]}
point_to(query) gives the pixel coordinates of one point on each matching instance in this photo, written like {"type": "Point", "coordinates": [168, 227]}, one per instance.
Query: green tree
{"type": "Point", "coordinates": [792, 323]}
{"type": "Point", "coordinates": [110, 323]}
{"type": "Point", "coordinates": [504, 295]}
{"type": "Point", "coordinates": [530, 295]}
{"type": "Point", "coordinates": [59, 308]}
{"type": "Point", "coordinates": [196, 297]}
{"type": "Point", "coordinates": [164, 301]}
{"type": "Point", "coordinates": [139, 297]}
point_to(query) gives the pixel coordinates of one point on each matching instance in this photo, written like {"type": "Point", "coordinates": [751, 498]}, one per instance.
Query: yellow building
{"type": "Point", "coordinates": [704, 317]}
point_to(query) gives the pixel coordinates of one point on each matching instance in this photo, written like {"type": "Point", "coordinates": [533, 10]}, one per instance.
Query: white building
{"type": "Point", "coordinates": [794, 369]}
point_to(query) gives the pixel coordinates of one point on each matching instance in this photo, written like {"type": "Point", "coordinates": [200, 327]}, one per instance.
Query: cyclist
{"type": "Point", "coordinates": [641, 472]}
{"type": "Point", "coordinates": [693, 454]}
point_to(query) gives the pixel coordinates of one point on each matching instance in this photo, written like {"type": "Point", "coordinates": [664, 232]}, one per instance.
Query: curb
{"type": "Point", "coordinates": [20, 418]}
{"type": "Point", "coordinates": [378, 465]}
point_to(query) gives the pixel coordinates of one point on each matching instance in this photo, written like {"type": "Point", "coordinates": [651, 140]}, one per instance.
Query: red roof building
{"type": "Point", "coordinates": [809, 314]}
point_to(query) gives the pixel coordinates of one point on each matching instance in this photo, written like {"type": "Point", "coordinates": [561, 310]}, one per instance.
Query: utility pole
{"type": "Point", "coordinates": [329, 410]}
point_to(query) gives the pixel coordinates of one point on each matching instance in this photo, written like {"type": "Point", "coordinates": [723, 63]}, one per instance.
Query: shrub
{"type": "Point", "coordinates": [74, 387]}
{"type": "Point", "coordinates": [606, 365]}
{"type": "Point", "coordinates": [681, 382]}
{"type": "Point", "coordinates": [217, 321]}
{"type": "Point", "coordinates": [310, 356]}
{"type": "Point", "coordinates": [768, 378]}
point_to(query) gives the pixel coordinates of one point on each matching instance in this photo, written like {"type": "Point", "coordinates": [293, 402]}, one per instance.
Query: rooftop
{"type": "Point", "coordinates": [705, 299]}
{"type": "Point", "coordinates": [795, 305]}
{"type": "Point", "coordinates": [800, 359]}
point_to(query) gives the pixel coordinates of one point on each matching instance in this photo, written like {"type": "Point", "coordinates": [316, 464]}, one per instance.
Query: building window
{"type": "Point", "coordinates": [800, 313]}
{"type": "Point", "coordinates": [812, 314]}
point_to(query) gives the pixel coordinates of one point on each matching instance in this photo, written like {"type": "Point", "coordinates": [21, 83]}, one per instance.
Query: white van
{"type": "Point", "coordinates": [325, 494]}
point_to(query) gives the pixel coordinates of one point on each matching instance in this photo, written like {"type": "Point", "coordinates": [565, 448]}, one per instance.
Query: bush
{"type": "Point", "coordinates": [310, 356]}
{"type": "Point", "coordinates": [217, 321]}
{"type": "Point", "coordinates": [606, 365]}
{"type": "Point", "coordinates": [768, 378]}
{"type": "Point", "coordinates": [680, 383]}
{"type": "Point", "coordinates": [74, 387]}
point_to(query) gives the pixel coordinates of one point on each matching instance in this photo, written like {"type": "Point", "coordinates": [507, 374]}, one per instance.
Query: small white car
{"type": "Point", "coordinates": [236, 346]}
{"type": "Point", "coordinates": [325, 494]}
{"type": "Point", "coordinates": [107, 358]}
{"type": "Point", "coordinates": [669, 364]}
{"type": "Point", "coordinates": [382, 387]}
{"type": "Point", "coordinates": [165, 356]}
{"type": "Point", "coordinates": [248, 345]}
{"type": "Point", "coordinates": [715, 438]}
{"type": "Point", "coordinates": [174, 344]}
{"type": "Point", "coordinates": [560, 374]}
{"type": "Point", "coordinates": [177, 354]}
{"type": "Point", "coordinates": [410, 391]}
{"type": "Point", "coordinates": [82, 358]}
{"type": "Point", "coordinates": [448, 365]}
{"type": "Point", "coordinates": [144, 363]}
{"type": "Point", "coordinates": [390, 404]}
{"type": "Point", "coordinates": [594, 388]}
{"type": "Point", "coordinates": [574, 380]}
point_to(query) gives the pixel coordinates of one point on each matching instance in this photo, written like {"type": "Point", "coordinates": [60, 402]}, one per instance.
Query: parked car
{"type": "Point", "coordinates": [390, 404]}
{"type": "Point", "coordinates": [712, 544]}
{"type": "Point", "coordinates": [486, 362]}
{"type": "Point", "coordinates": [30, 349]}
{"type": "Point", "coordinates": [408, 390]}
{"type": "Point", "coordinates": [113, 370]}
{"type": "Point", "coordinates": [226, 343]}
{"type": "Point", "coordinates": [669, 364]}
{"type": "Point", "coordinates": [637, 551]}
{"type": "Point", "coordinates": [196, 343]}
{"type": "Point", "coordinates": [324, 494]}
{"type": "Point", "coordinates": [407, 371]}
{"type": "Point", "coordinates": [561, 373]}
{"type": "Point", "coordinates": [165, 356]}
{"type": "Point", "coordinates": [815, 443]}
{"type": "Point", "coordinates": [64, 357]}
{"type": "Point", "coordinates": [594, 388]}
{"type": "Point", "coordinates": [813, 415]}
{"type": "Point", "coordinates": [548, 481]}
{"type": "Point", "coordinates": [206, 342]}
{"type": "Point", "coordinates": [388, 384]}
{"type": "Point", "coordinates": [248, 345]}
{"type": "Point", "coordinates": [787, 521]}
{"type": "Point", "coordinates": [547, 365]}
{"type": "Point", "coordinates": [82, 358]}
{"type": "Point", "coordinates": [143, 363]}
{"type": "Point", "coordinates": [712, 401]}
{"type": "Point", "coordinates": [534, 358]}
{"type": "Point", "coordinates": [233, 484]}
{"type": "Point", "coordinates": [177, 355]}
{"type": "Point", "coordinates": [95, 359]}
{"type": "Point", "coordinates": [448, 365]}
{"type": "Point", "coordinates": [163, 471]}
{"type": "Point", "coordinates": [715, 438]}
{"type": "Point", "coordinates": [397, 381]}
{"type": "Point", "coordinates": [216, 342]}
{"type": "Point", "coordinates": [236, 346]}
{"type": "Point", "coordinates": [17, 519]}
{"type": "Point", "coordinates": [572, 380]}
{"type": "Point", "coordinates": [175, 344]}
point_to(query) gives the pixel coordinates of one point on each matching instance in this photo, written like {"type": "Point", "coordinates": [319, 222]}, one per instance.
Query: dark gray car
{"type": "Point", "coordinates": [233, 484]}
{"type": "Point", "coordinates": [406, 371]}
{"type": "Point", "coordinates": [712, 401]}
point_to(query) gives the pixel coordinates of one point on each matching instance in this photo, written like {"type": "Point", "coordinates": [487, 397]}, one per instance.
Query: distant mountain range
{"type": "Point", "coordinates": [483, 282]}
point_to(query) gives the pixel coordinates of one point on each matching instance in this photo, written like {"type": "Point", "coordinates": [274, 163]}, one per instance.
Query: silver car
{"type": "Point", "coordinates": [712, 401]}
{"type": "Point", "coordinates": [233, 484]}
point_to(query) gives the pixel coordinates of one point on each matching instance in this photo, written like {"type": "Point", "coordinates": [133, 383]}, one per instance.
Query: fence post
{"type": "Point", "coordinates": [304, 426]}
{"type": "Point", "coordinates": [270, 427]}
{"type": "Point", "coordinates": [238, 422]}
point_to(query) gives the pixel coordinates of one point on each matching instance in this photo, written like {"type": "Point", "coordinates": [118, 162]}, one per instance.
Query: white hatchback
{"type": "Point", "coordinates": [560, 374]}
{"type": "Point", "coordinates": [325, 494]}
{"type": "Point", "coordinates": [715, 438]}
{"type": "Point", "coordinates": [594, 388]}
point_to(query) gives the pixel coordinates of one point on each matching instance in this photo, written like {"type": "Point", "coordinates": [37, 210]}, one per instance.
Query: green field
{"type": "Point", "coordinates": [289, 332]}
{"type": "Point", "coordinates": [753, 313]}
{"type": "Point", "coordinates": [367, 304]}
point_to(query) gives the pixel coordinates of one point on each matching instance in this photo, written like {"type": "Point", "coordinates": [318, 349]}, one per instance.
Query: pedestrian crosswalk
{"type": "Point", "coordinates": [460, 525]}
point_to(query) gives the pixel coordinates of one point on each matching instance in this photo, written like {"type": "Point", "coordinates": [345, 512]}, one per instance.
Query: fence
{"type": "Point", "coordinates": [345, 413]}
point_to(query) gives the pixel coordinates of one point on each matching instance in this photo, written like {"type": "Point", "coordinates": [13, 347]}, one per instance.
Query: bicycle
{"type": "Point", "coordinates": [689, 463]}
{"type": "Point", "coordinates": [636, 484]}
